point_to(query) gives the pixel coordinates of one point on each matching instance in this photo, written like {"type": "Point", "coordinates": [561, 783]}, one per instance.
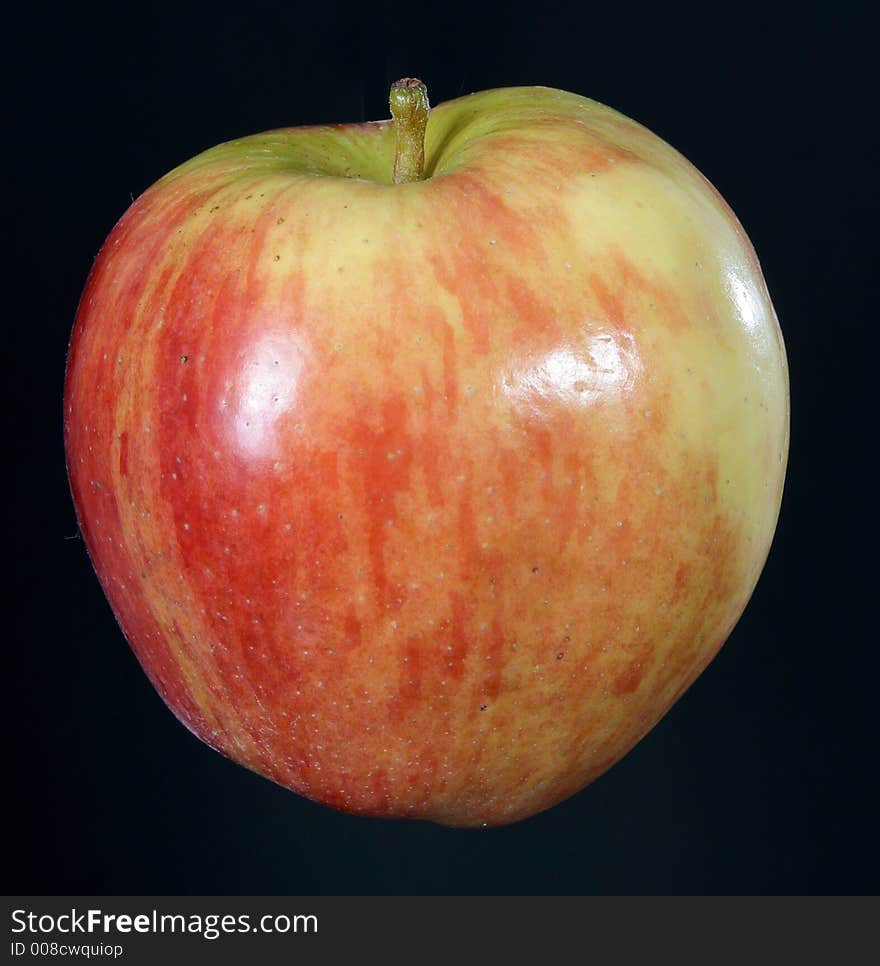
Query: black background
{"type": "Point", "coordinates": [763, 778]}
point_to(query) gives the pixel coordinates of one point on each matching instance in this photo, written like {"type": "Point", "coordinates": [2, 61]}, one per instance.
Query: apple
{"type": "Point", "coordinates": [426, 462]}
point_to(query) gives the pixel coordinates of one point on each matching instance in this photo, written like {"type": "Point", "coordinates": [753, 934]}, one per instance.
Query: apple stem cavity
{"type": "Point", "coordinates": [409, 109]}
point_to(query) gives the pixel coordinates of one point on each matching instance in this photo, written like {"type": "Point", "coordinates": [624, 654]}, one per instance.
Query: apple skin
{"type": "Point", "coordinates": [429, 500]}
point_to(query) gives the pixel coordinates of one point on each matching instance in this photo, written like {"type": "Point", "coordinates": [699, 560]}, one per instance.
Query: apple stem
{"type": "Point", "coordinates": [409, 109]}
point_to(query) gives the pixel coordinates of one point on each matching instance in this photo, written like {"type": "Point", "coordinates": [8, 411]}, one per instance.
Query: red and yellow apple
{"type": "Point", "coordinates": [428, 499]}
